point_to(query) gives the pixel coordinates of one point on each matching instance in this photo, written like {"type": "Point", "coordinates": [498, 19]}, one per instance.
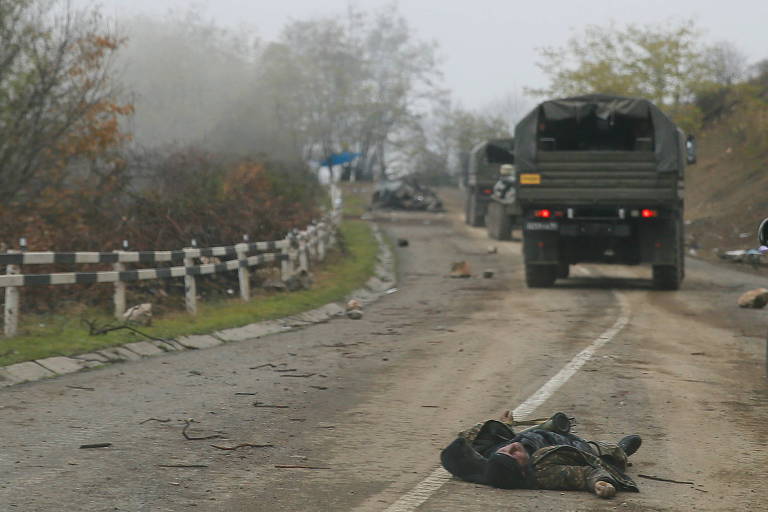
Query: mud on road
{"type": "Point", "coordinates": [355, 412]}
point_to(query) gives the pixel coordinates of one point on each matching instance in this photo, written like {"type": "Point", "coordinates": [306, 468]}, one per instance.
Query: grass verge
{"type": "Point", "coordinates": [342, 272]}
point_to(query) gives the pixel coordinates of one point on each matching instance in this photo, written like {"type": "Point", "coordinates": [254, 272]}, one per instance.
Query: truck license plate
{"type": "Point", "coordinates": [541, 226]}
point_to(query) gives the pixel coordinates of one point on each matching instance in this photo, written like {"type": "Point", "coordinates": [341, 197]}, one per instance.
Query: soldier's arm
{"type": "Point", "coordinates": [470, 434]}
{"type": "Point", "coordinates": [575, 478]}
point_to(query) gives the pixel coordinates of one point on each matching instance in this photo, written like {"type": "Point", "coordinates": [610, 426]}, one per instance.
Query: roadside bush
{"type": "Point", "coordinates": [158, 201]}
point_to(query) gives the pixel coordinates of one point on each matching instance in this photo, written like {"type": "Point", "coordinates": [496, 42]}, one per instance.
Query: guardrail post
{"type": "Point", "coordinates": [243, 273]}
{"type": "Point", "coordinates": [303, 259]}
{"type": "Point", "coordinates": [119, 297]}
{"type": "Point", "coordinates": [313, 235]}
{"type": "Point", "coordinates": [11, 316]}
{"type": "Point", "coordinates": [286, 265]}
{"type": "Point", "coordinates": [190, 285]}
{"type": "Point", "coordinates": [321, 241]}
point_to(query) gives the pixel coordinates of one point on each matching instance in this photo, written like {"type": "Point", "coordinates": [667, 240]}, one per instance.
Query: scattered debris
{"type": "Point", "coordinates": [243, 445]}
{"type": "Point", "coordinates": [487, 274]}
{"type": "Point", "coordinates": [354, 314]}
{"type": "Point", "coordinates": [754, 256]}
{"type": "Point", "coordinates": [391, 291]}
{"type": "Point", "coordinates": [402, 242]}
{"type": "Point", "coordinates": [96, 445]}
{"type": "Point", "coordinates": [155, 419]}
{"type": "Point", "coordinates": [303, 280]}
{"type": "Point", "coordinates": [354, 310]}
{"type": "Point", "coordinates": [275, 285]}
{"type": "Point", "coordinates": [649, 477]}
{"type": "Point", "coordinates": [244, 394]}
{"type": "Point", "coordinates": [140, 314]}
{"type": "Point", "coordinates": [270, 365]}
{"type": "Point", "coordinates": [492, 249]}
{"type": "Point", "coordinates": [95, 330]}
{"type": "Point", "coordinates": [187, 423]}
{"type": "Point", "coordinates": [81, 387]}
{"type": "Point", "coordinates": [295, 466]}
{"type": "Point", "coordinates": [319, 387]}
{"type": "Point", "coordinates": [460, 269]}
{"type": "Point", "coordinates": [756, 299]}
{"type": "Point", "coordinates": [182, 465]}
{"type": "Point", "coordinates": [270, 406]}
{"type": "Point", "coordinates": [299, 375]}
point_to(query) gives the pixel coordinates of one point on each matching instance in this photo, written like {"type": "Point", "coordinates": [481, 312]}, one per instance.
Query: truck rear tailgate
{"type": "Point", "coordinates": [589, 177]}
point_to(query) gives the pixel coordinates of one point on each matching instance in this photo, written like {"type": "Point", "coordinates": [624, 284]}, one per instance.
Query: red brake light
{"type": "Point", "coordinates": [647, 214]}
{"type": "Point", "coordinates": [544, 214]}
{"type": "Point", "coordinates": [487, 191]}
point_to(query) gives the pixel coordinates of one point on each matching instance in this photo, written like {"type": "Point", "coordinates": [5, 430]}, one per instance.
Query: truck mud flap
{"type": "Point", "coordinates": [541, 246]}
{"type": "Point", "coordinates": [660, 242]}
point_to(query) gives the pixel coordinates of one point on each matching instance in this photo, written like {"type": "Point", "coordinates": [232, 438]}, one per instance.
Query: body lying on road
{"type": "Point", "coordinates": [546, 456]}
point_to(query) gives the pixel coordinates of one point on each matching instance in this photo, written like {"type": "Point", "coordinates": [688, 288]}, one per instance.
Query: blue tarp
{"type": "Point", "coordinates": [339, 158]}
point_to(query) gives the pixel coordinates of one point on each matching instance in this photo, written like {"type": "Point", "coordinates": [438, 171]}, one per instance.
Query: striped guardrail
{"type": "Point", "coordinates": [44, 258]}
{"type": "Point", "coordinates": [294, 254]}
{"type": "Point", "coordinates": [135, 275]}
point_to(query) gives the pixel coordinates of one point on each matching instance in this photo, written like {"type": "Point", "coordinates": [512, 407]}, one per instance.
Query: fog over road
{"type": "Point", "coordinates": [364, 407]}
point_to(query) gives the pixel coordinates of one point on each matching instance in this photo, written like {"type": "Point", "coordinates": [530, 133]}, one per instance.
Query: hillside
{"type": "Point", "coordinates": [727, 190]}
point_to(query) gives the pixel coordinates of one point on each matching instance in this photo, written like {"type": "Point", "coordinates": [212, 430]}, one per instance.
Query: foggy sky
{"type": "Point", "coordinates": [487, 46]}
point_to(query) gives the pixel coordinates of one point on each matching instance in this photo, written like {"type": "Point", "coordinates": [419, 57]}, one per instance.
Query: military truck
{"type": "Point", "coordinates": [600, 179]}
{"type": "Point", "coordinates": [485, 159]}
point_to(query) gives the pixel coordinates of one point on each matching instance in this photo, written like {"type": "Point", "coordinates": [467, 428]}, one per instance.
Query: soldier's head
{"type": "Point", "coordinates": [504, 472]}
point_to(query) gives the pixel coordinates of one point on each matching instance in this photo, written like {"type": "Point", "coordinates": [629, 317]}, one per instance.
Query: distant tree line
{"type": "Point", "coordinates": [669, 64]}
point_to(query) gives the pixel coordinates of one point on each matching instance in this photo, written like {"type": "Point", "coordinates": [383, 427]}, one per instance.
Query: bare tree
{"type": "Point", "coordinates": [727, 63]}
{"type": "Point", "coordinates": [56, 98]}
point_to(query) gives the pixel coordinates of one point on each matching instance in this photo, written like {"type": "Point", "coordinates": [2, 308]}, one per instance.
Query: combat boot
{"type": "Point", "coordinates": [630, 444]}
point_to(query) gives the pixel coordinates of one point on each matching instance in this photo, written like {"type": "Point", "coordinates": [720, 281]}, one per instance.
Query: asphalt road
{"type": "Point", "coordinates": [355, 412]}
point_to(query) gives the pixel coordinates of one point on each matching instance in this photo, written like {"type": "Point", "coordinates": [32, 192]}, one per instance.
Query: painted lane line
{"type": "Point", "coordinates": [432, 483]}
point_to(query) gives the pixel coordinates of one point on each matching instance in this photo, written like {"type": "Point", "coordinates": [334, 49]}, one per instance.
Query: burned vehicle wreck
{"type": "Point", "coordinates": [405, 194]}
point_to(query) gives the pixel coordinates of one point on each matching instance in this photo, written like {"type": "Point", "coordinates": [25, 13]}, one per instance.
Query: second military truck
{"type": "Point", "coordinates": [600, 179]}
{"type": "Point", "coordinates": [485, 161]}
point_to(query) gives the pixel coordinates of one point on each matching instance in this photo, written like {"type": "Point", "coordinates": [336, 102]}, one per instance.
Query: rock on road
{"type": "Point", "coordinates": [356, 411]}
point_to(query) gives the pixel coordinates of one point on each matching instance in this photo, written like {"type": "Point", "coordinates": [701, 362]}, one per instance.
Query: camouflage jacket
{"type": "Point", "coordinates": [563, 467]}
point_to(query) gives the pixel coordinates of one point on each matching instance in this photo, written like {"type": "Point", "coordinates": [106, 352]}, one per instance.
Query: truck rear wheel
{"type": "Point", "coordinates": [667, 277]}
{"type": "Point", "coordinates": [474, 214]}
{"type": "Point", "coordinates": [540, 276]}
{"type": "Point", "coordinates": [498, 222]}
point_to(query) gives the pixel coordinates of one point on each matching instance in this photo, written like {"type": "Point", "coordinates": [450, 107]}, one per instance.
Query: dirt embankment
{"type": "Point", "coordinates": [726, 194]}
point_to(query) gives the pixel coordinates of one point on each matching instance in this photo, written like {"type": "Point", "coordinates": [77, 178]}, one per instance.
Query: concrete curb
{"type": "Point", "coordinates": [381, 283]}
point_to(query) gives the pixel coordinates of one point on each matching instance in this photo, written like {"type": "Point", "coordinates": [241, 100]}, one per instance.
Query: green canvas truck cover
{"type": "Point", "coordinates": [666, 137]}
{"type": "Point", "coordinates": [487, 156]}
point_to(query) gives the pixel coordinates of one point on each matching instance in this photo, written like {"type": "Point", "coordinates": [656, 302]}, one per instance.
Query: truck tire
{"type": "Point", "coordinates": [540, 276]}
{"type": "Point", "coordinates": [498, 222]}
{"type": "Point", "coordinates": [670, 277]}
{"type": "Point", "coordinates": [667, 277]}
{"type": "Point", "coordinates": [563, 270]}
{"type": "Point", "coordinates": [473, 213]}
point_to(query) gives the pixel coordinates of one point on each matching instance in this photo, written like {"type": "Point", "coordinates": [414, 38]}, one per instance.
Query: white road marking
{"type": "Point", "coordinates": [431, 484]}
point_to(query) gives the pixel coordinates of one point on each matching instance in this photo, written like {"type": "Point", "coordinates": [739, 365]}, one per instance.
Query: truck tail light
{"type": "Point", "coordinates": [648, 214]}
{"type": "Point", "coordinates": [549, 214]}
{"type": "Point", "coordinates": [487, 191]}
